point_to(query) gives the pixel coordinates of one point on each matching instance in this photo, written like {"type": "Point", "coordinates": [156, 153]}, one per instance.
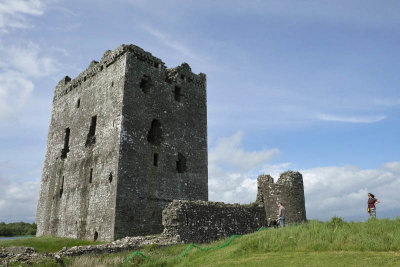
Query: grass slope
{"type": "Point", "coordinates": [45, 244]}
{"type": "Point", "coordinates": [333, 243]}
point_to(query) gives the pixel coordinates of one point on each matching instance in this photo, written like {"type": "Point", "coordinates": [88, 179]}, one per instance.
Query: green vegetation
{"type": "Point", "coordinates": [17, 229]}
{"type": "Point", "coordinates": [315, 243]}
{"type": "Point", "coordinates": [333, 243]}
{"type": "Point", "coordinates": [47, 243]}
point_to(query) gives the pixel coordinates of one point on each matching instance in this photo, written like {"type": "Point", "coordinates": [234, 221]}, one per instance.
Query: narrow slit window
{"type": "Point", "coordinates": [65, 150]}
{"type": "Point", "coordinates": [178, 93]}
{"type": "Point", "coordinates": [91, 138]}
{"type": "Point", "coordinates": [181, 163]}
{"type": "Point", "coordinates": [62, 187]}
{"type": "Point", "coordinates": [96, 235]}
{"type": "Point", "coordinates": [78, 103]}
{"type": "Point", "coordinates": [110, 177]}
{"type": "Point", "coordinates": [91, 175]}
{"type": "Point", "coordinates": [155, 159]}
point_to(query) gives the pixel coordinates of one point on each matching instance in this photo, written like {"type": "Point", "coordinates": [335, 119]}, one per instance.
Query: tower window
{"type": "Point", "coordinates": [110, 177]}
{"type": "Point", "coordinates": [154, 136]}
{"type": "Point", "coordinates": [65, 150]}
{"type": "Point", "coordinates": [181, 163]}
{"type": "Point", "coordinates": [62, 187]}
{"type": "Point", "coordinates": [155, 159]}
{"type": "Point", "coordinates": [91, 175]}
{"type": "Point", "coordinates": [178, 93]}
{"type": "Point", "coordinates": [91, 138]}
{"type": "Point", "coordinates": [78, 103]}
{"type": "Point", "coordinates": [145, 84]}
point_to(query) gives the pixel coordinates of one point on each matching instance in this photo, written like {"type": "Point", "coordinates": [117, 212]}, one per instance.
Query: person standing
{"type": "Point", "coordinates": [281, 214]}
{"type": "Point", "coordinates": [371, 204]}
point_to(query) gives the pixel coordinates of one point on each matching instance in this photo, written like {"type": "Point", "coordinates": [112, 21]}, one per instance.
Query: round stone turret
{"type": "Point", "coordinates": [289, 190]}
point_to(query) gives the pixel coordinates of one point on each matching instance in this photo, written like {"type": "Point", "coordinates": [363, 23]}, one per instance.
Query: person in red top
{"type": "Point", "coordinates": [371, 204]}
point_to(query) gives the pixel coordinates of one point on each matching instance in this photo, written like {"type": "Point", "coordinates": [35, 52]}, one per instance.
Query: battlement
{"type": "Point", "coordinates": [173, 75]}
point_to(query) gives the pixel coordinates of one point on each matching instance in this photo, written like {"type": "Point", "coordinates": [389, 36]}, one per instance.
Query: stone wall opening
{"type": "Point", "coordinates": [91, 138]}
{"type": "Point", "coordinates": [154, 136]}
{"type": "Point", "coordinates": [146, 83]}
{"type": "Point", "coordinates": [110, 177]}
{"type": "Point", "coordinates": [155, 159]}
{"type": "Point", "coordinates": [91, 175]}
{"type": "Point", "coordinates": [65, 150]}
{"type": "Point", "coordinates": [96, 235]}
{"type": "Point", "coordinates": [62, 187]}
{"type": "Point", "coordinates": [178, 93]}
{"type": "Point", "coordinates": [181, 163]}
{"type": "Point", "coordinates": [78, 103]}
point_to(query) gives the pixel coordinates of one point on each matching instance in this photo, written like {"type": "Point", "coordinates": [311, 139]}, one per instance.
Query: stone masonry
{"type": "Point", "coordinates": [126, 137]}
{"type": "Point", "coordinates": [202, 221]}
{"type": "Point", "coordinates": [289, 190]}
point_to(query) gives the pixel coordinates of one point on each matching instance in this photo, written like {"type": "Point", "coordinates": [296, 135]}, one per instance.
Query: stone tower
{"type": "Point", "coordinates": [126, 137]}
{"type": "Point", "coordinates": [289, 190]}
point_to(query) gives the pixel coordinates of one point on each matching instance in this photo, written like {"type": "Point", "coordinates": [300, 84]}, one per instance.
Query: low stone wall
{"type": "Point", "coordinates": [203, 221]}
{"type": "Point", "coordinates": [29, 255]}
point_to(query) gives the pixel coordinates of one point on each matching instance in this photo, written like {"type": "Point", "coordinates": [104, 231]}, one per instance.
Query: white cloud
{"type": "Point", "coordinates": [13, 13]}
{"type": "Point", "coordinates": [342, 191]}
{"type": "Point", "coordinates": [170, 42]}
{"type": "Point", "coordinates": [231, 170]}
{"type": "Point", "coordinates": [29, 61]}
{"type": "Point", "coordinates": [329, 191]}
{"type": "Point", "coordinates": [19, 65]}
{"type": "Point", "coordinates": [18, 200]}
{"type": "Point", "coordinates": [228, 151]}
{"type": "Point", "coordinates": [387, 102]}
{"type": "Point", "coordinates": [14, 92]}
{"type": "Point", "coordinates": [351, 119]}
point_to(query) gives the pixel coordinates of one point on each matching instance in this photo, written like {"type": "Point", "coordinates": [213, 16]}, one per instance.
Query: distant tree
{"type": "Point", "coordinates": [17, 229]}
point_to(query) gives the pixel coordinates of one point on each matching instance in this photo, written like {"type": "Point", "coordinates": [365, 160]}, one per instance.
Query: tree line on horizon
{"type": "Point", "coordinates": [17, 229]}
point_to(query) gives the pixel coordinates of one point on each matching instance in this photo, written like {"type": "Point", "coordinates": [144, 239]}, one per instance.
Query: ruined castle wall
{"type": "Point", "coordinates": [78, 187]}
{"type": "Point", "coordinates": [289, 190]}
{"type": "Point", "coordinates": [163, 143]}
{"type": "Point", "coordinates": [201, 221]}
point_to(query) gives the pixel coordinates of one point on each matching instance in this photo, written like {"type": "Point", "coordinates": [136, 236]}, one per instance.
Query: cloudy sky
{"type": "Point", "coordinates": [308, 85]}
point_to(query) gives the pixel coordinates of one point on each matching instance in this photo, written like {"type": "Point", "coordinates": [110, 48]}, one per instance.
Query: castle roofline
{"type": "Point", "coordinates": [67, 84]}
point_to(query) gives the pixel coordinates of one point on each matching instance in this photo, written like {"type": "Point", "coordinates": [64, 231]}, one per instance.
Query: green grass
{"type": "Point", "coordinates": [333, 243]}
{"type": "Point", "coordinates": [45, 244]}
{"type": "Point", "coordinates": [311, 244]}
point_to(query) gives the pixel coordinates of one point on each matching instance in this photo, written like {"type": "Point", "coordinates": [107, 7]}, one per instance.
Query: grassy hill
{"type": "Point", "coordinates": [333, 243]}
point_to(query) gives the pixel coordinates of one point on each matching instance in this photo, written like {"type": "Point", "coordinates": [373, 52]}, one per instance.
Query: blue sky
{"type": "Point", "coordinates": [303, 85]}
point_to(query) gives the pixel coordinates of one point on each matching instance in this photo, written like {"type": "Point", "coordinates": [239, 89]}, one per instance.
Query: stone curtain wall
{"type": "Point", "coordinates": [289, 190]}
{"type": "Point", "coordinates": [202, 221]}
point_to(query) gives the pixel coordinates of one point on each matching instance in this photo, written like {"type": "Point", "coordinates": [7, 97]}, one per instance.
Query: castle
{"type": "Point", "coordinates": [126, 138]}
